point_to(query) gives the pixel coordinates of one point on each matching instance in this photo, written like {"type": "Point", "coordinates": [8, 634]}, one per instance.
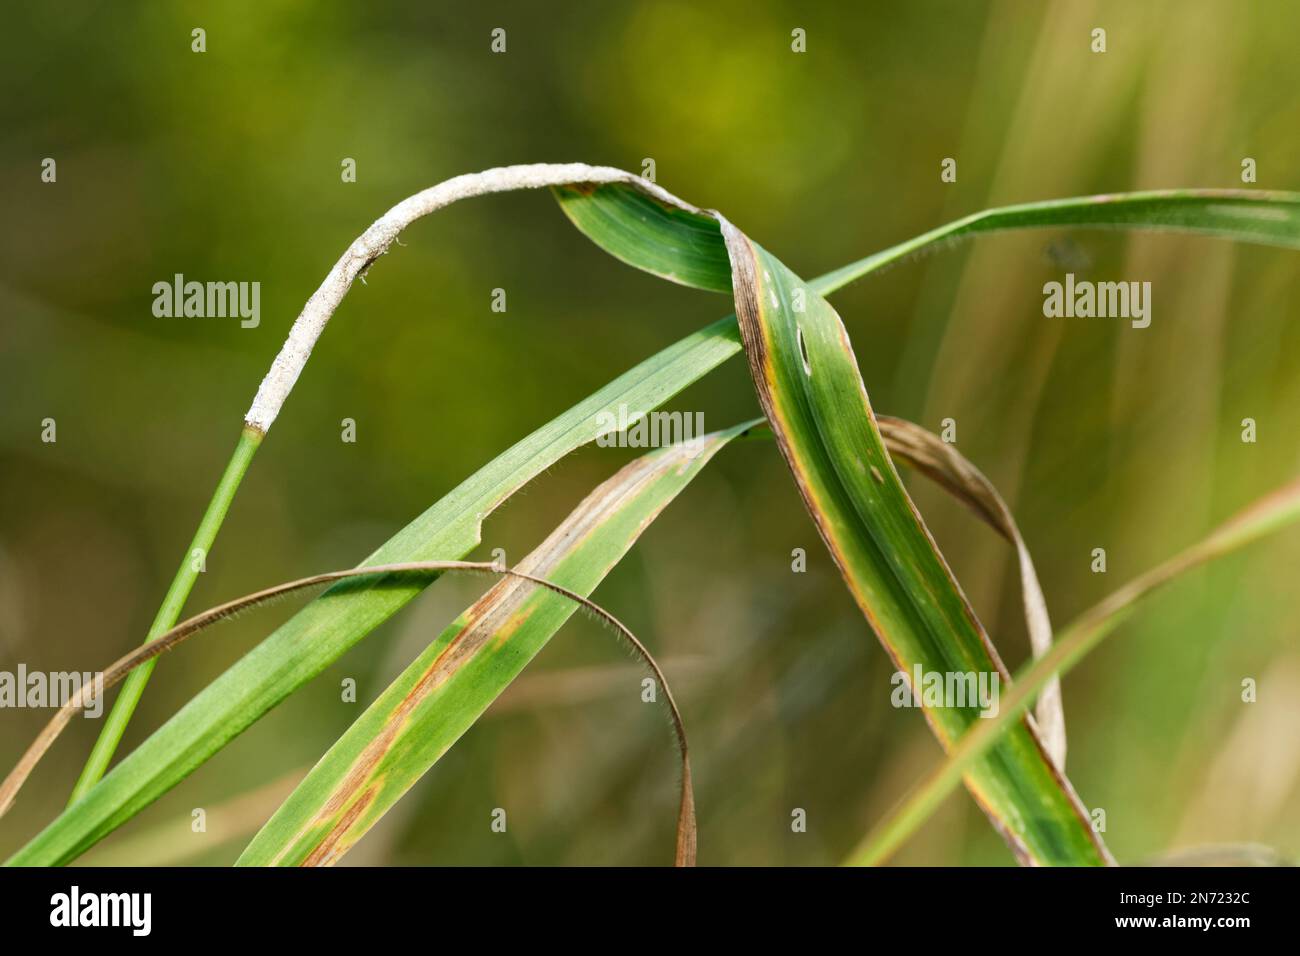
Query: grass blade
{"type": "Point", "coordinates": [810, 389]}
{"type": "Point", "coordinates": [808, 384]}
{"type": "Point", "coordinates": [1262, 518]}
{"type": "Point", "coordinates": [440, 695]}
{"type": "Point", "coordinates": [1258, 216]}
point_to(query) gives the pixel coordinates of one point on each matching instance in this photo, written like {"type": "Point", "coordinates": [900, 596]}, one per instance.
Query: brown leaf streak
{"type": "Point", "coordinates": [498, 613]}
{"type": "Point", "coordinates": [329, 849]}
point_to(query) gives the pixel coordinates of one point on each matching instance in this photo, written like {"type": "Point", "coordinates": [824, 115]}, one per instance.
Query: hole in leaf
{"type": "Point", "coordinates": [803, 350]}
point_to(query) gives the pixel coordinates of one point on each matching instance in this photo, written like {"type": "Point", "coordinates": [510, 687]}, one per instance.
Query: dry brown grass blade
{"type": "Point", "coordinates": [116, 672]}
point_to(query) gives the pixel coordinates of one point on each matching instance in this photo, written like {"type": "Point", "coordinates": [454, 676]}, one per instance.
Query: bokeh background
{"type": "Point", "coordinates": [226, 165]}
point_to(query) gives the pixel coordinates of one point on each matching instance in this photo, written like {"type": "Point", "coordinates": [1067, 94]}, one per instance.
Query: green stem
{"type": "Point", "coordinates": [182, 584]}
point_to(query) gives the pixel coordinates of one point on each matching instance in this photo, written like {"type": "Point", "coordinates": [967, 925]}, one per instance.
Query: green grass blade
{"type": "Point", "coordinates": [651, 235]}
{"type": "Point", "coordinates": [325, 629]}
{"type": "Point", "coordinates": [440, 695]}
{"type": "Point", "coordinates": [810, 389]}
{"type": "Point", "coordinates": [1267, 218]}
{"type": "Point", "coordinates": [1264, 517]}
{"type": "Point", "coordinates": [610, 216]}
{"type": "Point", "coordinates": [808, 384]}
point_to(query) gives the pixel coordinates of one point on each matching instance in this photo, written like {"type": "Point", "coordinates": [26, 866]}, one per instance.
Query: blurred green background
{"type": "Point", "coordinates": [226, 166]}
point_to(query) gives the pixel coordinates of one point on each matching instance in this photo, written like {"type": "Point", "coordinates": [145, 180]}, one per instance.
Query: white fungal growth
{"type": "Point", "coordinates": [374, 242]}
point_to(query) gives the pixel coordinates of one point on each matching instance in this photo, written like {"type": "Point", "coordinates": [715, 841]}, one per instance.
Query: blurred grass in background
{"type": "Point", "coordinates": [226, 166]}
